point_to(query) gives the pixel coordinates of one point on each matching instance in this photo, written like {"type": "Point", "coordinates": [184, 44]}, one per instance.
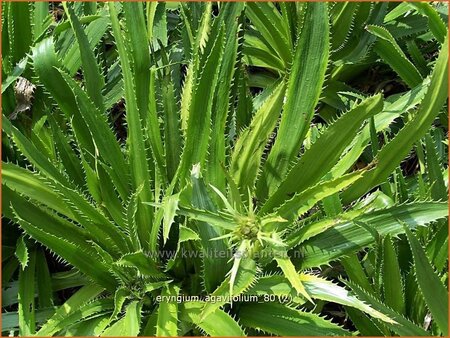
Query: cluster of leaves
{"type": "Point", "coordinates": [292, 152]}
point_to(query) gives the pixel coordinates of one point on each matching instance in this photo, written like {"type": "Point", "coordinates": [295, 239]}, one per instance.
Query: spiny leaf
{"type": "Point", "coordinates": [26, 310]}
{"type": "Point", "coordinates": [333, 243]}
{"type": "Point", "coordinates": [326, 290]}
{"type": "Point", "coordinates": [436, 24]}
{"type": "Point", "coordinates": [285, 263]}
{"type": "Point", "coordinates": [282, 320]}
{"type": "Point", "coordinates": [198, 128]}
{"type": "Point", "coordinates": [138, 160]}
{"type": "Point", "coordinates": [22, 252]}
{"type": "Point", "coordinates": [393, 152]}
{"type": "Point", "coordinates": [303, 90]}
{"type": "Point", "coordinates": [129, 325]}
{"type": "Point", "coordinates": [302, 202]}
{"type": "Point", "coordinates": [46, 65]}
{"type": "Point", "coordinates": [433, 290]}
{"type": "Point", "coordinates": [229, 14]}
{"type": "Point", "coordinates": [170, 206]}
{"type": "Point", "coordinates": [85, 259]}
{"type": "Point", "coordinates": [438, 189]}
{"type": "Point", "coordinates": [153, 127]}
{"type": "Point", "coordinates": [394, 106]}
{"type": "Point", "coordinates": [390, 52]}
{"type": "Point", "coordinates": [311, 167]}
{"type": "Point", "coordinates": [135, 33]}
{"type": "Point", "coordinates": [392, 279]}
{"type": "Point", "coordinates": [167, 324]}
{"type": "Point", "coordinates": [215, 268]}
{"type": "Point", "coordinates": [217, 323]}
{"type": "Point", "coordinates": [247, 153]}
{"type": "Point", "coordinates": [72, 308]}
{"type": "Point", "coordinates": [143, 263]}
{"type": "Point", "coordinates": [403, 326]}
{"type": "Point", "coordinates": [93, 79]}
{"type": "Point", "coordinates": [244, 277]}
{"type": "Point", "coordinates": [267, 20]}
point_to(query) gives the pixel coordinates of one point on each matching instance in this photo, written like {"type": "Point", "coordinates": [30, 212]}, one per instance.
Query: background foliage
{"type": "Point", "coordinates": [304, 145]}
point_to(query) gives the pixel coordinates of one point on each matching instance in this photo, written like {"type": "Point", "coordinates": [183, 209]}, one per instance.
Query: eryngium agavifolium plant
{"type": "Point", "coordinates": [224, 169]}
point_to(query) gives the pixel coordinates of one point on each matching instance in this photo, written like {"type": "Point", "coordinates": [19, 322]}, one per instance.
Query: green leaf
{"type": "Point", "coordinates": [244, 276]}
{"type": "Point", "coordinates": [268, 21]}
{"type": "Point", "coordinates": [404, 327]}
{"type": "Point", "coordinates": [199, 119]}
{"type": "Point", "coordinates": [15, 74]}
{"type": "Point", "coordinates": [67, 155]}
{"type": "Point", "coordinates": [247, 153]}
{"type": "Point", "coordinates": [91, 73]}
{"type": "Point", "coordinates": [170, 206]}
{"type": "Point", "coordinates": [360, 41]}
{"type": "Point", "coordinates": [167, 324]}
{"type": "Point", "coordinates": [291, 274]}
{"type": "Point", "coordinates": [95, 30]}
{"type": "Point", "coordinates": [430, 285]}
{"type": "Point", "coordinates": [20, 30]}
{"type": "Point", "coordinates": [44, 281]}
{"type": "Point", "coordinates": [435, 23]}
{"type": "Point", "coordinates": [317, 287]}
{"type": "Point", "coordinates": [129, 325]}
{"type": "Point", "coordinates": [282, 320]}
{"type": "Point", "coordinates": [104, 138]}
{"type": "Point", "coordinates": [343, 18]}
{"type": "Point", "coordinates": [135, 34]}
{"type": "Point", "coordinates": [73, 309]}
{"type": "Point", "coordinates": [84, 314]}
{"type": "Point", "coordinates": [172, 135]}
{"type": "Point", "coordinates": [120, 296]}
{"type": "Point", "coordinates": [303, 90]}
{"type": "Point", "coordinates": [26, 310]}
{"type": "Point", "coordinates": [438, 188]}
{"type": "Point", "coordinates": [311, 167]}
{"type": "Point", "coordinates": [187, 234]}
{"type": "Point", "coordinates": [91, 326]}
{"type": "Point", "coordinates": [302, 202]}
{"type": "Point", "coordinates": [41, 19]}
{"type": "Point", "coordinates": [325, 290]}
{"type": "Point", "coordinates": [22, 252]}
{"type": "Point", "coordinates": [142, 262]}
{"type": "Point", "coordinates": [35, 156]}
{"type": "Point", "coordinates": [131, 226]}
{"type": "Point", "coordinates": [45, 229]}
{"type": "Point", "coordinates": [334, 242]}
{"type": "Point", "coordinates": [392, 279]}
{"type": "Point", "coordinates": [208, 217]}
{"type": "Point", "coordinates": [391, 53]}
{"type": "Point", "coordinates": [137, 151]}
{"type": "Point", "coordinates": [394, 106]}
{"type": "Point", "coordinates": [46, 65]}
{"type": "Point", "coordinates": [229, 15]}
{"type": "Point", "coordinates": [153, 127]}
{"type": "Point", "coordinates": [109, 196]}
{"type": "Point", "coordinates": [217, 323]}
{"type": "Point", "coordinates": [258, 53]}
{"type": "Point", "coordinates": [395, 151]}
{"type": "Point", "coordinates": [214, 268]}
